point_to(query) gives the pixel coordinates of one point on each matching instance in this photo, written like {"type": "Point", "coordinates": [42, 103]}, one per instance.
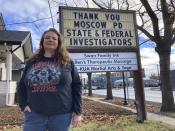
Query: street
{"type": "Point", "coordinates": [150, 95]}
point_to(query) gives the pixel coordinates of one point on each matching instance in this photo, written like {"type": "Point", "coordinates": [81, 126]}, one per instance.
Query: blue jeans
{"type": "Point", "coordinates": [37, 122]}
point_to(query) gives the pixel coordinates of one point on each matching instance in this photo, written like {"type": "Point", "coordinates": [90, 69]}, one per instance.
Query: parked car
{"type": "Point", "coordinates": [98, 83]}
{"type": "Point", "coordinates": [94, 87]}
{"type": "Point", "coordinates": [129, 82]}
{"type": "Point", "coordinates": [151, 82]}
{"type": "Point", "coordinates": [119, 83]}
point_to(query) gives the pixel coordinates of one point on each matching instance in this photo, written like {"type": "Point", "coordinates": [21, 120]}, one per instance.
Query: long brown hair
{"type": "Point", "coordinates": [61, 54]}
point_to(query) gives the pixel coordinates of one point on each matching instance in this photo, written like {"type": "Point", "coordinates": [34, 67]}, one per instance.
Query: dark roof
{"type": "Point", "coordinates": [13, 37]}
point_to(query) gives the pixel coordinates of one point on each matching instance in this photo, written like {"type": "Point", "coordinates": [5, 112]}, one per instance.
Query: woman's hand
{"type": "Point", "coordinates": [76, 120]}
{"type": "Point", "coordinates": [27, 109]}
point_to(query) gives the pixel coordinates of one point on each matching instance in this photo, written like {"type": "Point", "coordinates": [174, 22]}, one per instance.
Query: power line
{"type": "Point", "coordinates": [26, 22]}
{"type": "Point", "coordinates": [144, 42]}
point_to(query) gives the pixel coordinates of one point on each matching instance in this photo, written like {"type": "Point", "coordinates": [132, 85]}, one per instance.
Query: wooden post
{"type": "Point", "coordinates": [139, 92]}
{"type": "Point", "coordinates": [109, 86]}
{"type": "Point", "coordinates": [89, 84]}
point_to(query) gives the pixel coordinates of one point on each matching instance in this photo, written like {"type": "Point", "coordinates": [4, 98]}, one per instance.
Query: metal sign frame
{"type": "Point", "coordinates": [108, 27]}
{"type": "Point", "coordinates": [94, 12]}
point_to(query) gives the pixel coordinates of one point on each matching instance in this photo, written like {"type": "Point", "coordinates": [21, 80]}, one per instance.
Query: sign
{"type": "Point", "coordinates": [95, 62]}
{"type": "Point", "coordinates": [89, 28]}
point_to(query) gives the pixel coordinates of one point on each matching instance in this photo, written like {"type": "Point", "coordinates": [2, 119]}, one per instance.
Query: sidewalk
{"type": "Point", "coordinates": [150, 116]}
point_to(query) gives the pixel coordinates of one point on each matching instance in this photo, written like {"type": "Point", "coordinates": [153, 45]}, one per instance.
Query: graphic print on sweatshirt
{"type": "Point", "coordinates": [43, 77]}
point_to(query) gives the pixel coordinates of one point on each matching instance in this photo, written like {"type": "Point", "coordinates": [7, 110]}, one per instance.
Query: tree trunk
{"type": "Point", "coordinates": [167, 93]}
{"type": "Point", "coordinates": [89, 84]}
{"type": "Point", "coordinates": [109, 86]}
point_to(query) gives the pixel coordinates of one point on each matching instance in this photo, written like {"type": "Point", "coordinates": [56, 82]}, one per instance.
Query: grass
{"type": "Point", "coordinates": [125, 125]}
{"type": "Point", "coordinates": [119, 125]}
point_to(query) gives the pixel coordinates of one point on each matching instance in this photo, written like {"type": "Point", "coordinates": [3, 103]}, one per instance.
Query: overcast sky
{"type": "Point", "coordinates": [17, 12]}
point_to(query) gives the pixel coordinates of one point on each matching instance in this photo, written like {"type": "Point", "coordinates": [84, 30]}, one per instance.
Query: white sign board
{"type": "Point", "coordinates": [85, 28]}
{"type": "Point", "coordinates": [101, 62]}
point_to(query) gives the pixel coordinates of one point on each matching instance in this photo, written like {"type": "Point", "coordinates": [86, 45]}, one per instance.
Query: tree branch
{"type": "Point", "coordinates": [147, 33]}
{"type": "Point", "coordinates": [98, 4]}
{"type": "Point", "coordinates": [135, 5]}
{"type": "Point", "coordinates": [122, 4]}
{"type": "Point", "coordinates": [118, 5]}
{"type": "Point", "coordinates": [66, 2]}
{"type": "Point", "coordinates": [153, 17]}
{"type": "Point", "coordinates": [164, 7]}
{"type": "Point", "coordinates": [87, 3]}
{"type": "Point", "coordinates": [172, 3]}
{"type": "Point", "coordinates": [127, 3]}
{"type": "Point", "coordinates": [75, 3]}
{"type": "Point", "coordinates": [158, 6]}
{"type": "Point", "coordinates": [105, 5]}
{"type": "Point", "coordinates": [141, 14]}
{"type": "Point", "coordinates": [110, 4]}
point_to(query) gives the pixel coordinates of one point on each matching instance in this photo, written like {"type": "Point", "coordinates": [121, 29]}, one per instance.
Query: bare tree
{"type": "Point", "coordinates": [163, 45]}
{"type": "Point", "coordinates": [158, 21]}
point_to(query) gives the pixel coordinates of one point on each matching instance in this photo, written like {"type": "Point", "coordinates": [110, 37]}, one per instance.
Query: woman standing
{"type": "Point", "coordinates": [49, 91]}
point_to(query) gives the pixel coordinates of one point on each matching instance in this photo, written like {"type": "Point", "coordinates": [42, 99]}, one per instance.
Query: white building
{"type": "Point", "coordinates": [15, 48]}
